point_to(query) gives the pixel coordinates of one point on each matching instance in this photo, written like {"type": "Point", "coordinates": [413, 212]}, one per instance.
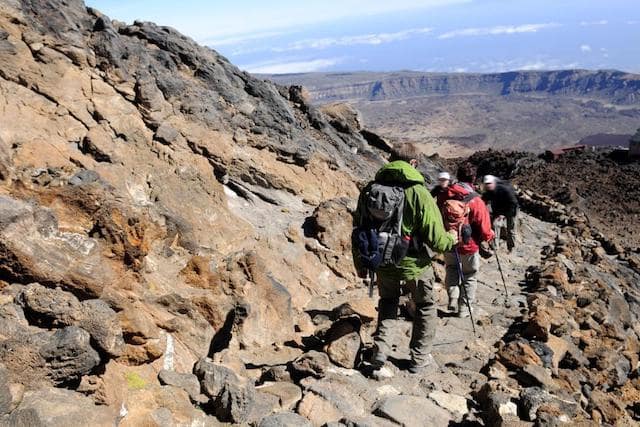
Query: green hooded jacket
{"type": "Point", "coordinates": [421, 220]}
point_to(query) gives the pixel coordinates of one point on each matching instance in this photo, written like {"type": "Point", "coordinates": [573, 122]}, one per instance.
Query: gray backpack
{"type": "Point", "coordinates": [380, 228]}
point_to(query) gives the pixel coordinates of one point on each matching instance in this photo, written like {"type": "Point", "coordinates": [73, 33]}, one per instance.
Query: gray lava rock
{"type": "Point", "coordinates": [49, 307]}
{"type": "Point", "coordinates": [413, 411]}
{"type": "Point", "coordinates": [102, 324]}
{"type": "Point", "coordinates": [5, 392]}
{"type": "Point", "coordinates": [532, 398]}
{"type": "Point", "coordinates": [166, 134]}
{"type": "Point", "coordinates": [285, 419]}
{"type": "Point", "coordinates": [497, 407]}
{"type": "Point", "coordinates": [56, 308]}
{"type": "Point", "coordinates": [344, 350]}
{"type": "Point", "coordinates": [187, 382]}
{"type": "Point", "coordinates": [311, 364]}
{"type": "Point", "coordinates": [53, 407]}
{"type": "Point", "coordinates": [232, 397]}
{"type": "Point", "coordinates": [84, 177]}
{"type": "Point", "coordinates": [69, 355]}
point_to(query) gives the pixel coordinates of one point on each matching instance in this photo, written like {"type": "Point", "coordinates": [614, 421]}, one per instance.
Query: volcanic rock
{"type": "Point", "coordinates": [412, 411]}
{"type": "Point", "coordinates": [231, 396]}
{"type": "Point", "coordinates": [68, 354]}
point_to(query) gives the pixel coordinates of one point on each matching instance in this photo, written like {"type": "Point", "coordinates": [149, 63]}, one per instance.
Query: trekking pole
{"type": "Point", "coordinates": [464, 290]}
{"type": "Point", "coordinates": [499, 224]}
{"type": "Point", "coordinates": [372, 279]}
{"type": "Point", "coordinates": [504, 282]}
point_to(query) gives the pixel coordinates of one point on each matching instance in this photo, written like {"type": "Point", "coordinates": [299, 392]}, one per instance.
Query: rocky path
{"type": "Point", "coordinates": [443, 394]}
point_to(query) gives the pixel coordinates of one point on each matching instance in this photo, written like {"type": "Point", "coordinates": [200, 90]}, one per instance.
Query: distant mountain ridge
{"type": "Point", "coordinates": [616, 87]}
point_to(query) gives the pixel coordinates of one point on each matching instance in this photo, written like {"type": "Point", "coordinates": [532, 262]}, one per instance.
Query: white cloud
{"type": "Point", "coordinates": [537, 64]}
{"type": "Point", "coordinates": [592, 23]}
{"type": "Point", "coordinates": [633, 22]}
{"type": "Point", "coordinates": [240, 39]}
{"type": "Point", "coordinates": [497, 30]}
{"type": "Point", "coordinates": [234, 20]}
{"type": "Point", "coordinates": [291, 66]}
{"type": "Point", "coordinates": [362, 39]}
{"type": "Point", "coordinates": [585, 48]}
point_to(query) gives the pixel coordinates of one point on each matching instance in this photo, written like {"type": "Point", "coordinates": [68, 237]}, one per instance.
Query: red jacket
{"type": "Point", "coordinates": [479, 217]}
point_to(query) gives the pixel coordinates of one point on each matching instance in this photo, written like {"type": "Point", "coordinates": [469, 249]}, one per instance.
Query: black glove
{"type": "Point", "coordinates": [485, 250]}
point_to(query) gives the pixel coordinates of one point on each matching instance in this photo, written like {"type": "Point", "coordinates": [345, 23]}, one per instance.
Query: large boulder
{"type": "Point", "coordinates": [231, 396]}
{"type": "Point", "coordinates": [49, 307]}
{"type": "Point", "coordinates": [102, 324]}
{"type": "Point", "coordinates": [68, 355]}
{"type": "Point", "coordinates": [57, 308]}
{"type": "Point", "coordinates": [53, 407]}
{"type": "Point", "coordinates": [187, 382]}
{"type": "Point", "coordinates": [34, 248]}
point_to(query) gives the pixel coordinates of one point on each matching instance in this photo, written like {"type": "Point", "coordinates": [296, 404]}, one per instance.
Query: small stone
{"type": "Point", "coordinates": [187, 382]}
{"type": "Point", "coordinates": [288, 394]}
{"type": "Point", "coordinates": [313, 364]}
{"type": "Point", "coordinates": [344, 350]}
{"type": "Point", "coordinates": [387, 389]}
{"type": "Point", "coordinates": [497, 371]}
{"type": "Point", "coordinates": [536, 375]}
{"type": "Point", "coordinates": [166, 134]}
{"type": "Point", "coordinates": [412, 411]}
{"type": "Point", "coordinates": [533, 398]}
{"type": "Point", "coordinates": [451, 402]}
{"type": "Point", "coordinates": [364, 308]}
{"type": "Point", "coordinates": [286, 419]}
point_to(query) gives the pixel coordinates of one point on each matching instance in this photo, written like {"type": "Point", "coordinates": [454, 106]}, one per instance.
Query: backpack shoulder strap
{"type": "Point", "coordinates": [469, 197]}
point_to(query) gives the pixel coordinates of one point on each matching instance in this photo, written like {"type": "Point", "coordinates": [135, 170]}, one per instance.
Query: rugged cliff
{"type": "Point", "coordinates": [457, 114]}
{"type": "Point", "coordinates": [151, 195]}
{"type": "Point", "coordinates": [614, 86]}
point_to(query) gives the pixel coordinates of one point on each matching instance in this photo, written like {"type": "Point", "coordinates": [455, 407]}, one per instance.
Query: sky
{"type": "Point", "coordinates": [287, 36]}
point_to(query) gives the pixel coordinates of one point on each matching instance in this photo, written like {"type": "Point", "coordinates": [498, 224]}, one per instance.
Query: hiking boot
{"type": "Point", "coordinates": [415, 369]}
{"type": "Point", "coordinates": [379, 359]}
{"type": "Point", "coordinates": [453, 306]}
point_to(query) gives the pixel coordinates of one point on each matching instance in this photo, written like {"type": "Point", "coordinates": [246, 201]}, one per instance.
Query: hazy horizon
{"type": "Point", "coordinates": [476, 36]}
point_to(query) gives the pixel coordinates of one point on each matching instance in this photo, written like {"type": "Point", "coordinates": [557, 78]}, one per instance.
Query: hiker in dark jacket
{"type": "Point", "coordinates": [421, 220]}
{"type": "Point", "coordinates": [501, 196]}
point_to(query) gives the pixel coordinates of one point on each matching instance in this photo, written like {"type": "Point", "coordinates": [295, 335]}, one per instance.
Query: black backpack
{"type": "Point", "coordinates": [378, 237]}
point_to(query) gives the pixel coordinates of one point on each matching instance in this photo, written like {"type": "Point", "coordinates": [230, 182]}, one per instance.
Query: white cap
{"type": "Point", "coordinates": [490, 179]}
{"type": "Point", "coordinates": [444, 175]}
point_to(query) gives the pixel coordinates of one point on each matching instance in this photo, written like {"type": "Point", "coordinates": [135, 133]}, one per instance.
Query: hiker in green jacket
{"type": "Point", "coordinates": [422, 221]}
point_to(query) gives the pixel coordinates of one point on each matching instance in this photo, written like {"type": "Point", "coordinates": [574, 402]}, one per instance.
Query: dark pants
{"type": "Point", "coordinates": [424, 322]}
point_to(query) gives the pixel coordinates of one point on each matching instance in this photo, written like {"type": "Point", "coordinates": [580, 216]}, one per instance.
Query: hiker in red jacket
{"type": "Point", "coordinates": [476, 228]}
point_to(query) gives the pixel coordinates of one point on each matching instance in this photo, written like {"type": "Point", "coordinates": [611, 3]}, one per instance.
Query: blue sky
{"type": "Point", "coordinates": [283, 36]}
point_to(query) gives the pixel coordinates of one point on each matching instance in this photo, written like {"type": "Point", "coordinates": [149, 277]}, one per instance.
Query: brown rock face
{"type": "Point", "coordinates": [158, 195]}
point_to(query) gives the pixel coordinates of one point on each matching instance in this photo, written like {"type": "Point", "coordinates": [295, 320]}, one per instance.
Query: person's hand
{"type": "Point", "coordinates": [453, 234]}
{"type": "Point", "coordinates": [485, 250]}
